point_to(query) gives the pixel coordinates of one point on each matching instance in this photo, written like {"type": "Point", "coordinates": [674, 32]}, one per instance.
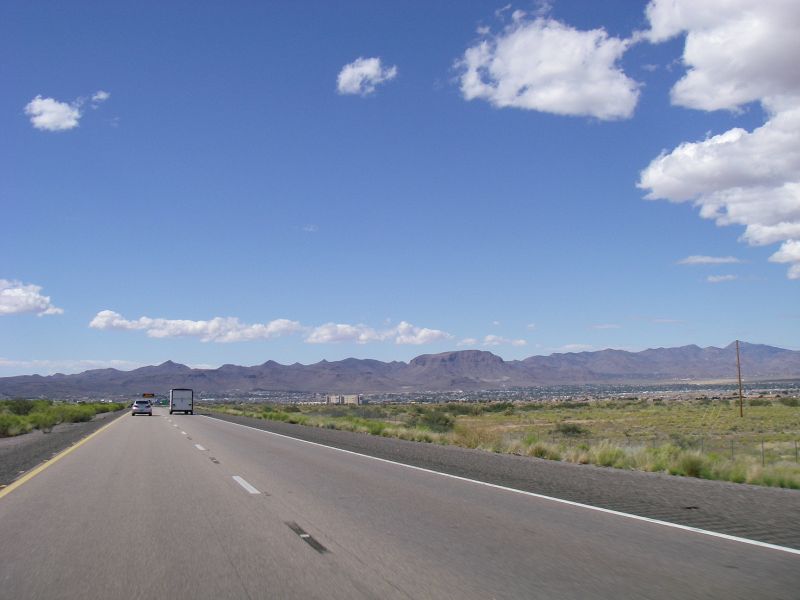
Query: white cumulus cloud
{"type": "Point", "coordinates": [497, 340]}
{"type": "Point", "coordinates": [606, 326]}
{"type": "Point", "coordinates": [789, 253]}
{"type": "Point", "coordinates": [100, 96]}
{"type": "Point", "coordinates": [230, 329]}
{"type": "Point", "coordinates": [547, 66]}
{"type": "Point", "coordinates": [17, 298]}
{"type": "Point", "coordinates": [402, 333]}
{"type": "Point", "coordinates": [698, 259]}
{"type": "Point", "coordinates": [218, 329]}
{"type": "Point", "coordinates": [736, 52]}
{"type": "Point", "coordinates": [343, 332]}
{"type": "Point", "coordinates": [406, 333]}
{"type": "Point", "coordinates": [363, 75]}
{"type": "Point", "coordinates": [720, 278]}
{"type": "Point", "coordinates": [48, 114]}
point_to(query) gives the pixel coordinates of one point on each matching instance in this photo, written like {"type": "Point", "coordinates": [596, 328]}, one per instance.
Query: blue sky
{"type": "Point", "coordinates": [217, 182]}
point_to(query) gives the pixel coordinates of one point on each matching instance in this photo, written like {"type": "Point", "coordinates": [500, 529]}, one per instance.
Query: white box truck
{"type": "Point", "coordinates": [181, 400]}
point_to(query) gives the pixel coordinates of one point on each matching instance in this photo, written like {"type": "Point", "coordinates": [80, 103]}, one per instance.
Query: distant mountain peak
{"type": "Point", "coordinates": [455, 370]}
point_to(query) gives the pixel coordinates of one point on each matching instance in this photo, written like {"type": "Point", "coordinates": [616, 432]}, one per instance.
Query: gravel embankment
{"type": "Point", "coordinates": [21, 453]}
{"type": "Point", "coordinates": [766, 514]}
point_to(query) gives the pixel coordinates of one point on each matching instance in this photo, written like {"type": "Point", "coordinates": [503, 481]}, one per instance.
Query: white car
{"type": "Point", "coordinates": [142, 407]}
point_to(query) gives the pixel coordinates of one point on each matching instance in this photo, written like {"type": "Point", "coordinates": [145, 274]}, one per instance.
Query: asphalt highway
{"type": "Point", "coordinates": [194, 507]}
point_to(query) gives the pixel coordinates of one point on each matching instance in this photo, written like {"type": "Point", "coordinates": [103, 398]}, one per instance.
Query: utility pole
{"type": "Point", "coordinates": [739, 369]}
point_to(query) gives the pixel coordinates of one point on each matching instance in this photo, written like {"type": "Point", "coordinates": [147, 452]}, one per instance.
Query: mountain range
{"type": "Point", "coordinates": [459, 370]}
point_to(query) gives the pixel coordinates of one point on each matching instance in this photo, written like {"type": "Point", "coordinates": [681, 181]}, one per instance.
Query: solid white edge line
{"type": "Point", "coordinates": [609, 511]}
{"type": "Point", "coordinates": [199, 447]}
{"type": "Point", "coordinates": [245, 485]}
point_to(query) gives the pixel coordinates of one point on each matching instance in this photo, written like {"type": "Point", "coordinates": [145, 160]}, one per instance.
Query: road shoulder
{"type": "Point", "coordinates": [22, 453]}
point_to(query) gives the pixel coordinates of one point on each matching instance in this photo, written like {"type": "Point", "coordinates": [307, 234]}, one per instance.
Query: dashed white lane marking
{"type": "Point", "coordinates": [245, 485]}
{"type": "Point", "coordinates": [183, 433]}
{"type": "Point", "coordinates": [199, 447]}
{"type": "Point", "coordinates": [608, 511]}
{"type": "Point", "coordinates": [174, 425]}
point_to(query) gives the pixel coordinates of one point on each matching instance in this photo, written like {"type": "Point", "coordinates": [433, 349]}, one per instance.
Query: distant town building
{"type": "Point", "coordinates": [344, 399]}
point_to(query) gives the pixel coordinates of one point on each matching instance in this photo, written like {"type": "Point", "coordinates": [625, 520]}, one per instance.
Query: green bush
{"type": "Point", "coordinates": [571, 429]}
{"type": "Point", "coordinates": [24, 407]}
{"type": "Point", "coordinates": [499, 407]}
{"type": "Point", "coordinates": [541, 450]}
{"type": "Point", "coordinates": [68, 413]}
{"type": "Point", "coordinates": [11, 424]}
{"type": "Point", "coordinates": [44, 420]}
{"type": "Point", "coordinates": [790, 401]}
{"type": "Point", "coordinates": [437, 420]}
{"type": "Point", "coordinates": [20, 407]}
{"type": "Point", "coordinates": [759, 402]}
{"type": "Point", "coordinates": [463, 408]}
{"type": "Point", "coordinates": [607, 455]}
{"type": "Point", "coordinates": [690, 464]}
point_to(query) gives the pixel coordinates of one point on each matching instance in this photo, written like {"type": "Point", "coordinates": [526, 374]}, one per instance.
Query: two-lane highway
{"type": "Point", "coordinates": [192, 507]}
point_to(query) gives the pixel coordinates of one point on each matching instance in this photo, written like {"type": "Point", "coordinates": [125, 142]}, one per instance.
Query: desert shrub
{"type": "Point", "coordinates": [461, 408]}
{"type": "Point", "coordinates": [11, 424]}
{"type": "Point", "coordinates": [530, 439]}
{"type": "Point", "coordinates": [498, 407]}
{"type": "Point", "coordinates": [680, 440]}
{"type": "Point", "coordinates": [376, 427]}
{"type": "Point", "coordinates": [20, 407]}
{"type": "Point", "coordinates": [44, 420]}
{"type": "Point", "coordinates": [99, 407]}
{"type": "Point", "coordinates": [571, 429]}
{"type": "Point", "coordinates": [795, 402]}
{"type": "Point", "coordinates": [541, 450]}
{"type": "Point", "coordinates": [68, 413]}
{"type": "Point", "coordinates": [568, 404]}
{"type": "Point", "coordinates": [471, 435]}
{"type": "Point", "coordinates": [608, 455]}
{"type": "Point", "coordinates": [778, 475]}
{"type": "Point", "coordinates": [532, 405]}
{"type": "Point", "coordinates": [690, 464]}
{"type": "Point", "coordinates": [274, 415]}
{"type": "Point", "coordinates": [759, 402]}
{"type": "Point", "coordinates": [291, 408]}
{"type": "Point", "coordinates": [437, 420]}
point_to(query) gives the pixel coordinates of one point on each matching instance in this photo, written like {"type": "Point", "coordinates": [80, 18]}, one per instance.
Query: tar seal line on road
{"type": "Point", "coordinates": [306, 537]}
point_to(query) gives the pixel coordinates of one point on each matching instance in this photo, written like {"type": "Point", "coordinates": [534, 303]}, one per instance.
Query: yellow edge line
{"type": "Point", "coordinates": [34, 472]}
